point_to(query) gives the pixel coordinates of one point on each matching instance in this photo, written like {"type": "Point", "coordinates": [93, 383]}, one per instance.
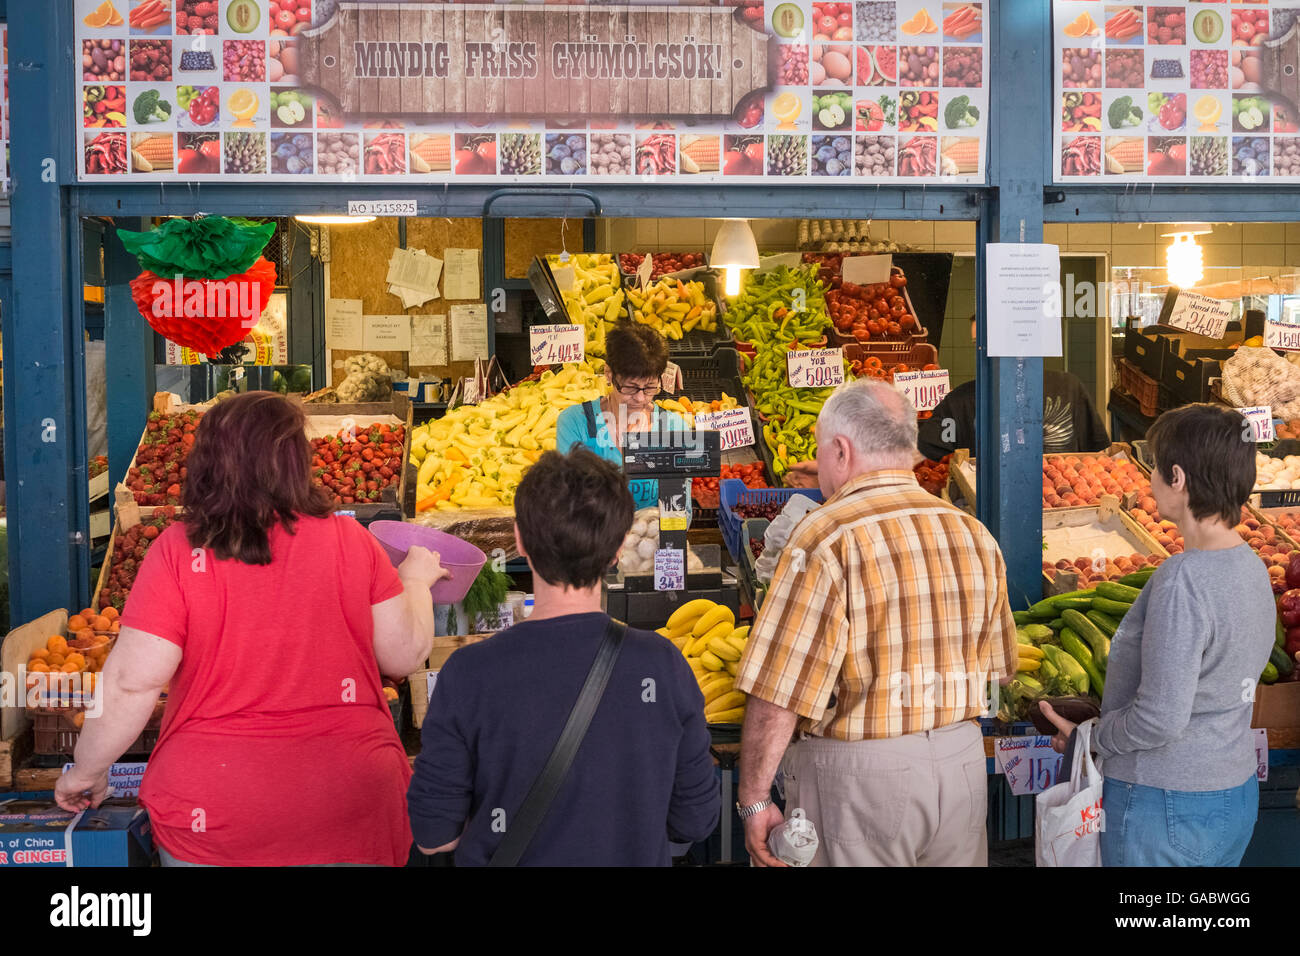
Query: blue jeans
{"type": "Point", "coordinates": [1147, 826]}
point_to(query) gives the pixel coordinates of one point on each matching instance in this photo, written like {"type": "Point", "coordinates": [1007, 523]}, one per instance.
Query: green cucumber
{"type": "Point", "coordinates": [1022, 617]}
{"type": "Point", "coordinates": [1279, 659]}
{"type": "Point", "coordinates": [1270, 674]}
{"type": "Point", "coordinates": [1116, 609]}
{"type": "Point", "coordinates": [1075, 647]}
{"type": "Point", "coordinates": [1137, 578]}
{"type": "Point", "coordinates": [1279, 633]}
{"type": "Point", "coordinates": [1045, 609]}
{"type": "Point", "coordinates": [1105, 622]}
{"type": "Point", "coordinates": [1118, 592]}
{"type": "Point", "coordinates": [1067, 668]}
{"type": "Point", "coordinates": [1076, 603]}
{"type": "Point", "coordinates": [1056, 624]}
{"type": "Point", "coordinates": [1097, 642]}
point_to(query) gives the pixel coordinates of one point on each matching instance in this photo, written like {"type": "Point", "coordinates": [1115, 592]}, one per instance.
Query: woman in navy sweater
{"type": "Point", "coordinates": [643, 775]}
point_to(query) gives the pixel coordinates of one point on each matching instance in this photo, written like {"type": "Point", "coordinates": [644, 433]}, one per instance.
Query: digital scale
{"type": "Point", "coordinates": [662, 457]}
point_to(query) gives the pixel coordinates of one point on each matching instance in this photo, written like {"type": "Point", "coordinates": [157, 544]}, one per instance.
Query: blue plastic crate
{"type": "Point", "coordinates": [732, 493]}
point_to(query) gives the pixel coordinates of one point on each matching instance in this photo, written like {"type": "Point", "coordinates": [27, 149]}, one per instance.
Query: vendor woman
{"type": "Point", "coordinates": [635, 359]}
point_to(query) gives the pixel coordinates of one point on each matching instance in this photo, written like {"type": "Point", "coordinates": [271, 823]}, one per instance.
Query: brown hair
{"type": "Point", "coordinates": [1213, 446]}
{"type": "Point", "coordinates": [573, 512]}
{"type": "Point", "coordinates": [249, 469]}
{"type": "Point", "coordinates": [635, 351]}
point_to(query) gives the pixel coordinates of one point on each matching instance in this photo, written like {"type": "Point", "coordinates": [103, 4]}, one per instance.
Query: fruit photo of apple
{"type": "Point", "coordinates": [290, 108]}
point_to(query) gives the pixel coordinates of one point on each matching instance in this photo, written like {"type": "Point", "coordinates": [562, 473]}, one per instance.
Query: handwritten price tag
{"type": "Point", "coordinates": [925, 389]}
{"type": "Point", "coordinates": [1280, 335]}
{"type": "Point", "coordinates": [734, 426]}
{"type": "Point", "coordinates": [383, 207]}
{"type": "Point", "coordinates": [1261, 422]}
{"type": "Point", "coordinates": [1197, 313]}
{"type": "Point", "coordinates": [644, 269]}
{"type": "Point", "coordinates": [556, 344]}
{"type": "Point", "coordinates": [670, 569]}
{"type": "Point", "coordinates": [1029, 763]}
{"type": "Point", "coordinates": [815, 368]}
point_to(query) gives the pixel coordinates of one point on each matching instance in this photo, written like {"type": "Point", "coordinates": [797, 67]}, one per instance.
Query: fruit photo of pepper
{"type": "Point", "coordinates": [656, 154]}
{"type": "Point", "coordinates": [106, 153]}
{"type": "Point", "coordinates": [385, 154]}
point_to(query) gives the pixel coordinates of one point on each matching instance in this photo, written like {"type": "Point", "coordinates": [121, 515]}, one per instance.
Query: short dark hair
{"type": "Point", "coordinates": [573, 512]}
{"type": "Point", "coordinates": [635, 351]}
{"type": "Point", "coordinates": [1211, 443]}
{"type": "Point", "coordinates": [249, 470]}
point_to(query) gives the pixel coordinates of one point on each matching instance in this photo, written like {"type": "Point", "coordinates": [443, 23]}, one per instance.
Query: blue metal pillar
{"type": "Point", "coordinates": [45, 447]}
{"type": "Point", "coordinates": [1009, 392]}
{"type": "Point", "coordinates": [128, 344]}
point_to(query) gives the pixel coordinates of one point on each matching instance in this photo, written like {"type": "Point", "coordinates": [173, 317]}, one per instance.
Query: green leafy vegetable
{"type": "Point", "coordinates": [487, 593]}
{"type": "Point", "coordinates": [959, 113]}
{"type": "Point", "coordinates": [148, 108]}
{"type": "Point", "coordinates": [1123, 113]}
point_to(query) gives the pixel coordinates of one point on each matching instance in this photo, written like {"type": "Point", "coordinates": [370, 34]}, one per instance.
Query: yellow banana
{"type": "Point", "coordinates": [711, 661]}
{"type": "Point", "coordinates": [701, 643]}
{"type": "Point", "coordinates": [691, 610]}
{"type": "Point", "coordinates": [733, 716]}
{"type": "Point", "coordinates": [733, 668]}
{"type": "Point", "coordinates": [714, 689]}
{"type": "Point", "coordinates": [727, 701]}
{"type": "Point", "coordinates": [718, 614]}
{"type": "Point", "coordinates": [723, 649]}
{"type": "Point", "coordinates": [1031, 651]}
{"type": "Point", "coordinates": [1025, 666]}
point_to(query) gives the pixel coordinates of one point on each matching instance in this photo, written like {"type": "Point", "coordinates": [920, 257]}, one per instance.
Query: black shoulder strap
{"type": "Point", "coordinates": [531, 813]}
{"type": "Point", "coordinates": [591, 419]}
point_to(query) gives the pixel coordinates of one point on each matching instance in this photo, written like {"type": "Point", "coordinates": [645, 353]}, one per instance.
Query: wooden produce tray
{"type": "Point", "coordinates": [419, 681]}
{"type": "Point", "coordinates": [886, 347]}
{"type": "Point", "coordinates": [1270, 517]}
{"type": "Point", "coordinates": [327, 419]}
{"type": "Point", "coordinates": [14, 751]}
{"type": "Point", "coordinates": [1072, 533]}
{"type": "Point", "coordinates": [14, 654]}
{"type": "Point", "coordinates": [166, 403]}
{"type": "Point", "coordinates": [961, 472]}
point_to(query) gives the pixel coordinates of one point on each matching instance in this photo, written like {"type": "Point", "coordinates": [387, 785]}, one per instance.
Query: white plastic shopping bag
{"type": "Point", "coordinates": [1069, 818]}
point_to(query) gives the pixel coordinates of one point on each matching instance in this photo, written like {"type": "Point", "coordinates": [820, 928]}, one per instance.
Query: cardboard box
{"type": "Point", "coordinates": [1071, 533]}
{"type": "Point", "coordinates": [38, 833]}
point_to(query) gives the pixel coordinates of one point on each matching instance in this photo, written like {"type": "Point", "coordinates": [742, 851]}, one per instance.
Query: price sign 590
{"type": "Point", "coordinates": [815, 368]}
{"type": "Point", "coordinates": [556, 344]}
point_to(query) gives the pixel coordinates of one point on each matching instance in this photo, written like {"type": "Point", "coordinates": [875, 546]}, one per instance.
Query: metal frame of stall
{"type": "Point", "coordinates": [44, 416]}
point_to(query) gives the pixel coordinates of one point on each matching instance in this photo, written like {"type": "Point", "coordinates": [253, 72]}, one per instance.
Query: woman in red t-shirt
{"type": "Point", "coordinates": [270, 620]}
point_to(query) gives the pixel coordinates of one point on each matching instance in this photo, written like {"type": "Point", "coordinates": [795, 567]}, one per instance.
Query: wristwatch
{"type": "Point", "coordinates": [754, 808]}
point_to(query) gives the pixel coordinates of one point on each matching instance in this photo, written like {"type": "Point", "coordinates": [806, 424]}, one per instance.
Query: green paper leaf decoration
{"type": "Point", "coordinates": [213, 247]}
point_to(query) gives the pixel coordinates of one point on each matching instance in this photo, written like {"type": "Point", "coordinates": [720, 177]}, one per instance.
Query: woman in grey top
{"type": "Point", "coordinates": [1175, 719]}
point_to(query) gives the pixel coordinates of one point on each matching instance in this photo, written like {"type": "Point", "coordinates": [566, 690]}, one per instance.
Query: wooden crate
{"type": "Point", "coordinates": [442, 649]}
{"type": "Point", "coordinates": [326, 419]}
{"type": "Point", "coordinates": [961, 472]}
{"type": "Point", "coordinates": [14, 654]}
{"type": "Point", "coordinates": [1269, 515]}
{"type": "Point", "coordinates": [1083, 530]}
{"type": "Point", "coordinates": [166, 403]}
{"type": "Point", "coordinates": [14, 751]}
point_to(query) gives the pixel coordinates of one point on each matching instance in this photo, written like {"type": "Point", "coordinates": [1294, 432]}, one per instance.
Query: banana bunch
{"type": "Point", "coordinates": [706, 633]}
{"type": "Point", "coordinates": [673, 307]}
{"type": "Point", "coordinates": [596, 299]}
{"type": "Point", "coordinates": [688, 409]}
{"type": "Point", "coordinates": [474, 456]}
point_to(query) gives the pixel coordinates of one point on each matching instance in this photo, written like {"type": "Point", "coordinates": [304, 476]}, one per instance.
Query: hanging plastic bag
{"type": "Point", "coordinates": [1070, 819]}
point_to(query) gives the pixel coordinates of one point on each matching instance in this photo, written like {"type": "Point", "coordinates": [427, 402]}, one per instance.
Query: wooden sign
{"type": "Point", "coordinates": [421, 59]}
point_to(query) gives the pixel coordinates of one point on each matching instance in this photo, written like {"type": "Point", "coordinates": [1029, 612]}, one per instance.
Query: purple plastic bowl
{"type": "Point", "coordinates": [461, 558]}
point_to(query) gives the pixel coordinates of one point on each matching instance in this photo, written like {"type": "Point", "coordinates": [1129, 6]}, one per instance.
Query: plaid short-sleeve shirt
{"type": "Point", "coordinates": [887, 615]}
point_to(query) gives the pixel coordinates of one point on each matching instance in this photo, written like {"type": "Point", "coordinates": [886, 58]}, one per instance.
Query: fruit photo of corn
{"type": "Point", "coordinates": [700, 154]}
{"type": "Point", "coordinates": [151, 152]}
{"type": "Point", "coordinates": [431, 153]}
{"type": "Point", "coordinates": [706, 634]}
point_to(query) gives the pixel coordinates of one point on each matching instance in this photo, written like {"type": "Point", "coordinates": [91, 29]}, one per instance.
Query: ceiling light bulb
{"type": "Point", "coordinates": [1183, 262]}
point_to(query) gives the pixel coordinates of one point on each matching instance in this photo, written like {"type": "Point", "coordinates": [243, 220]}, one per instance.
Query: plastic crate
{"type": "Point", "coordinates": [1142, 387]}
{"type": "Point", "coordinates": [733, 493]}
{"type": "Point", "coordinates": [56, 732]}
{"type": "Point", "coordinates": [918, 357]}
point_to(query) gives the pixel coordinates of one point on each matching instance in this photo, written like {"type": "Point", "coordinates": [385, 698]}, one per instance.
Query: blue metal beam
{"type": "Point", "coordinates": [634, 200]}
{"type": "Point", "coordinates": [1257, 201]}
{"type": "Point", "coordinates": [44, 409]}
{"type": "Point", "coordinates": [1009, 392]}
{"type": "Point", "coordinates": [128, 343]}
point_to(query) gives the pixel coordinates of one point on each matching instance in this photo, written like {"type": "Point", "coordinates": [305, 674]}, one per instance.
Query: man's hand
{"type": "Point", "coordinates": [757, 829]}
{"type": "Point", "coordinates": [75, 791]}
{"type": "Point", "coordinates": [1065, 728]}
{"type": "Point", "coordinates": [802, 474]}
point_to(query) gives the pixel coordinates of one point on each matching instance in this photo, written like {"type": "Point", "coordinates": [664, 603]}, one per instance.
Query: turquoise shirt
{"type": "Point", "coordinates": [571, 429]}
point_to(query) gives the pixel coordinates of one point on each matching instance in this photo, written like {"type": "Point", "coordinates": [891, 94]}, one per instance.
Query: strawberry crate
{"type": "Point", "coordinates": [732, 493]}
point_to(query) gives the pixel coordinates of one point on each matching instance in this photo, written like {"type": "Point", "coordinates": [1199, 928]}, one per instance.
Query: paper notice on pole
{"type": "Point", "coordinates": [1193, 312]}
{"type": "Point", "coordinates": [469, 331]}
{"type": "Point", "coordinates": [1029, 763]}
{"type": "Point", "coordinates": [387, 333]}
{"type": "Point", "coordinates": [428, 340]}
{"type": "Point", "coordinates": [462, 278]}
{"type": "Point", "coordinates": [1261, 422]}
{"type": "Point", "coordinates": [414, 269]}
{"type": "Point", "coordinates": [866, 270]}
{"type": "Point", "coordinates": [924, 389]}
{"type": "Point", "coordinates": [1024, 309]}
{"type": "Point", "coordinates": [343, 328]}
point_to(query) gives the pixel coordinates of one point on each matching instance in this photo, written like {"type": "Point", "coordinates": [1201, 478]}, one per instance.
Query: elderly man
{"type": "Point", "coordinates": [885, 622]}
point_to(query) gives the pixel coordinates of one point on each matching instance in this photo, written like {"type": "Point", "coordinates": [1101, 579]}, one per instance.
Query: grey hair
{"type": "Point", "coordinates": [877, 419]}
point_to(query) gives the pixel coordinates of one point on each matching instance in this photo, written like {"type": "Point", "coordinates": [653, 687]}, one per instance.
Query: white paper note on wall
{"type": "Point", "coordinates": [469, 332]}
{"type": "Point", "coordinates": [461, 280]}
{"type": "Point", "coordinates": [1024, 311]}
{"type": "Point", "coordinates": [387, 333]}
{"type": "Point", "coordinates": [428, 340]}
{"type": "Point", "coordinates": [343, 329]}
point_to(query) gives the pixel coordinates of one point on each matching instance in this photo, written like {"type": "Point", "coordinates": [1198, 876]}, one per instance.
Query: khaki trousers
{"type": "Point", "coordinates": [918, 800]}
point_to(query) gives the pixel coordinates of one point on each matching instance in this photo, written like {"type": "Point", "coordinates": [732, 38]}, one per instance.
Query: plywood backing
{"type": "Point", "coordinates": [359, 269]}
{"type": "Point", "coordinates": [526, 238]}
